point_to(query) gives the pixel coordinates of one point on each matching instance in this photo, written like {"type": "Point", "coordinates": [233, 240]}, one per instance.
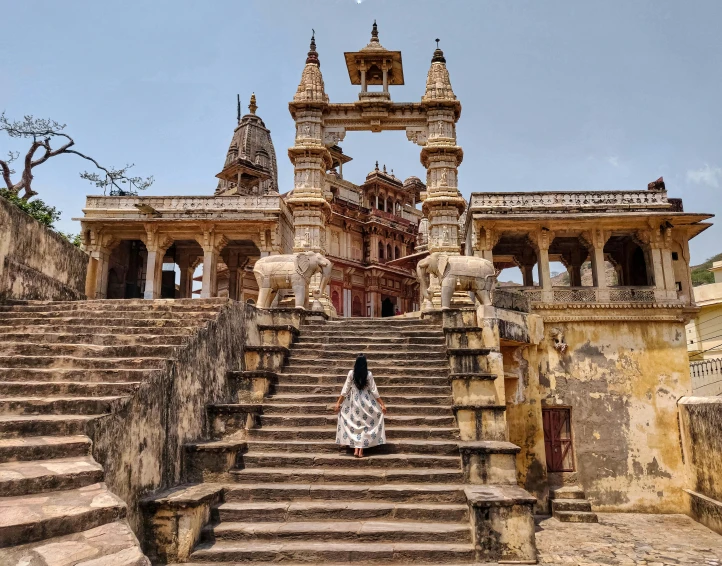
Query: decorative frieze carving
{"type": "Point", "coordinates": [513, 202]}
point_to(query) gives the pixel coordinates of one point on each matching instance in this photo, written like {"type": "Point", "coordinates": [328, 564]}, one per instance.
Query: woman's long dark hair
{"type": "Point", "coordinates": [360, 372]}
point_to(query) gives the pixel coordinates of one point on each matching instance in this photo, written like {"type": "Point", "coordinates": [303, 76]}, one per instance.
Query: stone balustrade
{"type": "Point", "coordinates": [125, 206]}
{"type": "Point", "coordinates": [592, 295]}
{"type": "Point", "coordinates": [569, 201]}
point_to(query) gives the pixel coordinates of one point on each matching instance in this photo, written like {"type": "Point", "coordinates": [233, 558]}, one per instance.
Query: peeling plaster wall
{"type": "Point", "coordinates": [37, 263]}
{"type": "Point", "coordinates": [622, 381]}
{"type": "Point", "coordinates": [524, 419]}
{"type": "Point", "coordinates": [141, 444]}
{"type": "Point", "coordinates": [701, 424]}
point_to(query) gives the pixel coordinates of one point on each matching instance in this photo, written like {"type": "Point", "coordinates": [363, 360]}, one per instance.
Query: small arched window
{"type": "Point", "coordinates": [397, 252]}
{"type": "Point", "coordinates": [381, 250]}
{"type": "Point", "coordinates": [389, 254]}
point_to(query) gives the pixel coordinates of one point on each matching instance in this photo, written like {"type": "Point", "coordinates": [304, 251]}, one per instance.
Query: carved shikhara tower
{"type": "Point", "coordinates": [321, 124]}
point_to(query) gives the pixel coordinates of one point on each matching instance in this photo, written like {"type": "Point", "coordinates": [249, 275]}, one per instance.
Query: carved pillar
{"type": "Point", "coordinates": [311, 159]}
{"type": "Point", "coordinates": [156, 244]}
{"type": "Point", "coordinates": [99, 247]}
{"type": "Point", "coordinates": [487, 237]}
{"type": "Point", "coordinates": [441, 156]}
{"type": "Point", "coordinates": [527, 272]}
{"type": "Point", "coordinates": [598, 239]}
{"type": "Point", "coordinates": [544, 239]}
{"type": "Point", "coordinates": [186, 275]}
{"type": "Point", "coordinates": [212, 244]}
{"type": "Point", "coordinates": [659, 240]}
{"type": "Point", "coordinates": [575, 267]}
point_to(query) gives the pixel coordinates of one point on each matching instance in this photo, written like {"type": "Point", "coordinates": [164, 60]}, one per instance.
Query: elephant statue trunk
{"type": "Point", "coordinates": [421, 276]}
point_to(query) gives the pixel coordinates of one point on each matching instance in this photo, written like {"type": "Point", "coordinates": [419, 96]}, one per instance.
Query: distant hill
{"type": "Point", "coordinates": [700, 273]}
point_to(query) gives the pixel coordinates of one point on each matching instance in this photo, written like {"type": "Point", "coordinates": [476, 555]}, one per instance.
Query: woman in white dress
{"type": "Point", "coordinates": [361, 417]}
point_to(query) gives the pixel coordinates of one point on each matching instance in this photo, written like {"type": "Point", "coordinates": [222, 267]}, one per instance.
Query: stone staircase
{"type": "Point", "coordinates": [570, 505]}
{"type": "Point", "coordinates": [63, 365]}
{"type": "Point", "coordinates": [297, 497]}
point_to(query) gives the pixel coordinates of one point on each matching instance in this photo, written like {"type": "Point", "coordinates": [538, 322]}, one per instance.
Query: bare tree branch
{"type": "Point", "coordinates": [42, 131]}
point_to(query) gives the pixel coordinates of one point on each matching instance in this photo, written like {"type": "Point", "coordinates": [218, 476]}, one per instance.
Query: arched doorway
{"type": "Point", "coordinates": [388, 308]}
{"type": "Point", "coordinates": [336, 300]}
{"type": "Point", "coordinates": [356, 307]}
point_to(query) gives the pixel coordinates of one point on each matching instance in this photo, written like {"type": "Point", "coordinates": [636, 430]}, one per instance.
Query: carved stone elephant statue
{"type": "Point", "coordinates": [469, 272]}
{"type": "Point", "coordinates": [289, 271]}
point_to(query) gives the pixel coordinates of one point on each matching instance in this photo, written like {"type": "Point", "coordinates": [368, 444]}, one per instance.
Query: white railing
{"type": "Point", "coordinates": [706, 377]}
{"type": "Point", "coordinates": [569, 201]}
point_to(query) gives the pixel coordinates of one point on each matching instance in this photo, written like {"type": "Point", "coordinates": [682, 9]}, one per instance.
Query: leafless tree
{"type": "Point", "coordinates": [43, 132]}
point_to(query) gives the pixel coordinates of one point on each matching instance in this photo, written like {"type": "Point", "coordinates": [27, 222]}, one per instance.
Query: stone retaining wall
{"type": "Point", "coordinates": [36, 262]}
{"type": "Point", "coordinates": [700, 426]}
{"type": "Point", "coordinates": [141, 445]}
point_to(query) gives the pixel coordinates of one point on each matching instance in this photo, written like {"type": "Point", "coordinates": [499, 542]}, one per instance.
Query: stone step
{"type": "Point", "coordinates": [384, 390]}
{"type": "Point", "coordinates": [567, 492]}
{"type": "Point", "coordinates": [399, 447]}
{"type": "Point", "coordinates": [66, 388]}
{"type": "Point", "coordinates": [123, 333]}
{"type": "Point", "coordinates": [121, 305]}
{"type": "Point", "coordinates": [111, 544]}
{"type": "Point", "coordinates": [29, 518]}
{"type": "Point", "coordinates": [87, 350]}
{"type": "Point", "coordinates": [271, 408]}
{"type": "Point", "coordinates": [376, 334]}
{"type": "Point", "coordinates": [108, 375]}
{"type": "Point", "coordinates": [575, 517]}
{"type": "Point", "coordinates": [377, 357]}
{"type": "Point", "coordinates": [328, 552]}
{"type": "Point", "coordinates": [70, 323]}
{"type": "Point", "coordinates": [103, 315]}
{"type": "Point", "coordinates": [339, 511]}
{"type": "Point", "coordinates": [397, 532]}
{"type": "Point", "coordinates": [314, 420]}
{"type": "Point", "coordinates": [329, 433]}
{"type": "Point", "coordinates": [369, 348]}
{"type": "Point", "coordinates": [351, 342]}
{"type": "Point", "coordinates": [358, 474]}
{"type": "Point", "coordinates": [97, 339]}
{"type": "Point", "coordinates": [300, 399]}
{"type": "Point", "coordinates": [571, 505]}
{"type": "Point", "coordinates": [43, 447]}
{"type": "Point", "coordinates": [254, 459]}
{"type": "Point", "coordinates": [36, 476]}
{"type": "Point", "coordinates": [328, 367]}
{"type": "Point", "coordinates": [14, 426]}
{"type": "Point", "coordinates": [59, 405]}
{"type": "Point", "coordinates": [340, 378]}
{"type": "Point", "coordinates": [401, 493]}
{"type": "Point", "coordinates": [73, 362]}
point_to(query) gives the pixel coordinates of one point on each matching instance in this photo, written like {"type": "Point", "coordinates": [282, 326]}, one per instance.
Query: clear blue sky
{"type": "Point", "coordinates": [555, 95]}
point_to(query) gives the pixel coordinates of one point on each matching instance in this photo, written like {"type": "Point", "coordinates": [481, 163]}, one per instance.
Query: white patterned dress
{"type": "Point", "coordinates": [360, 421]}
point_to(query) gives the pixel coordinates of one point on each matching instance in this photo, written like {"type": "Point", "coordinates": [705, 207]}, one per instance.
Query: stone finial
{"type": "Point", "coordinates": [374, 33]}
{"type": "Point", "coordinates": [312, 54]}
{"type": "Point", "coordinates": [311, 87]}
{"type": "Point", "coordinates": [377, 165]}
{"type": "Point", "coordinates": [252, 107]}
{"type": "Point", "coordinates": [384, 167]}
{"type": "Point", "coordinates": [238, 108]}
{"type": "Point", "coordinates": [438, 83]}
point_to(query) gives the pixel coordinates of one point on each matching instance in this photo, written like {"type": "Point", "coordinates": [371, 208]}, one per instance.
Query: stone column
{"type": "Point", "coordinates": [527, 272]}
{"type": "Point", "coordinates": [311, 159]}
{"type": "Point", "coordinates": [96, 281]}
{"type": "Point", "coordinates": [212, 244]}
{"type": "Point", "coordinates": [486, 238]}
{"type": "Point", "coordinates": [598, 239]}
{"type": "Point", "coordinates": [544, 239]}
{"type": "Point", "coordinates": [153, 271]}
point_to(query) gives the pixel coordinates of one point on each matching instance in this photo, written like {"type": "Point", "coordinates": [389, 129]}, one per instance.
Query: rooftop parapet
{"type": "Point", "coordinates": [572, 201]}
{"type": "Point", "coordinates": [178, 207]}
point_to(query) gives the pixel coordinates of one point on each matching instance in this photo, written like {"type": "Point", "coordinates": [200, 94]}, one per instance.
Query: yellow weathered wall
{"type": "Point", "coordinates": [622, 380]}
{"type": "Point", "coordinates": [701, 425]}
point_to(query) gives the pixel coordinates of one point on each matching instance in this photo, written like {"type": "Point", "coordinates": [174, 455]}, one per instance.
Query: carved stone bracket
{"type": "Point", "coordinates": [333, 136]}
{"type": "Point", "coordinates": [417, 134]}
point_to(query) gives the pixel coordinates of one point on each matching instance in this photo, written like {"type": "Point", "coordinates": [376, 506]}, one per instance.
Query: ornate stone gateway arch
{"type": "Point", "coordinates": [321, 124]}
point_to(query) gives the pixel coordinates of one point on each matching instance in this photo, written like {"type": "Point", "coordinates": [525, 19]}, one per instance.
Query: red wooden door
{"type": "Point", "coordinates": [558, 439]}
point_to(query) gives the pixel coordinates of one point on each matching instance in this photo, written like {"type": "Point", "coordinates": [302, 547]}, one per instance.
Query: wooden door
{"type": "Point", "coordinates": [558, 439]}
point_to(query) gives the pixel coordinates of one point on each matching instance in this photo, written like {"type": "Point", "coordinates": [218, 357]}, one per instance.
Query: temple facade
{"type": "Point", "coordinates": [590, 368]}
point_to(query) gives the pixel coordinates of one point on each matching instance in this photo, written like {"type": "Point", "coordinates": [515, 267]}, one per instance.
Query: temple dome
{"type": "Point", "coordinates": [252, 142]}
{"type": "Point", "coordinates": [412, 180]}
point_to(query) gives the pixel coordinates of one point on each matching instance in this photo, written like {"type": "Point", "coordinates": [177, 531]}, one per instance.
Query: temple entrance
{"type": "Point", "coordinates": [388, 307]}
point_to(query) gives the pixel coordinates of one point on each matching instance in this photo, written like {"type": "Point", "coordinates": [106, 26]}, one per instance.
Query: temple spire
{"type": "Point", "coordinates": [374, 33]}
{"type": "Point", "coordinates": [438, 84]}
{"type": "Point", "coordinates": [312, 54]}
{"type": "Point", "coordinates": [252, 106]}
{"type": "Point", "coordinates": [438, 54]}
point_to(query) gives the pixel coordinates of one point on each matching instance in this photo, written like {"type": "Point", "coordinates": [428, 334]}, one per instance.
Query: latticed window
{"type": "Point", "coordinates": [558, 439]}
